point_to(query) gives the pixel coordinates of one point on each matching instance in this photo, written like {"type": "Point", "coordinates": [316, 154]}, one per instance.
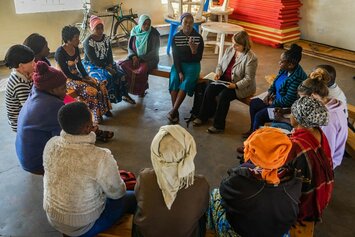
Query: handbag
{"type": "Point", "coordinates": [129, 179]}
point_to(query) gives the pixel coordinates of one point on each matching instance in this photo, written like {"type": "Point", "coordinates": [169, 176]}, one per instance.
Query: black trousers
{"type": "Point", "coordinates": [219, 108]}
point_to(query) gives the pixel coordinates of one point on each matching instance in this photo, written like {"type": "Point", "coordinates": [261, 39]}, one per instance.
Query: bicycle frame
{"type": "Point", "coordinates": [115, 12]}
{"type": "Point", "coordinates": [118, 16]}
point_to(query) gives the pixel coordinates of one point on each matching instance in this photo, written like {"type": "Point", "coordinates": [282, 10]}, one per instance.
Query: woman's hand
{"type": "Point", "coordinates": [181, 77]}
{"type": "Point", "coordinates": [269, 99]}
{"type": "Point", "coordinates": [193, 46]}
{"type": "Point", "coordinates": [110, 70]}
{"type": "Point", "coordinates": [232, 85]}
{"type": "Point", "coordinates": [135, 61]}
{"type": "Point", "coordinates": [279, 115]}
{"type": "Point", "coordinates": [217, 77]}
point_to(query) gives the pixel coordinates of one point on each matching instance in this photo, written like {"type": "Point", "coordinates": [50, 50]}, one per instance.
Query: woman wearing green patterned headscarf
{"type": "Point", "coordinates": [143, 55]}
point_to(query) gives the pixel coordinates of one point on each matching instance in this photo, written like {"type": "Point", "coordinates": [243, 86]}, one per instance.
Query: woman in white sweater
{"type": "Point", "coordinates": [83, 191]}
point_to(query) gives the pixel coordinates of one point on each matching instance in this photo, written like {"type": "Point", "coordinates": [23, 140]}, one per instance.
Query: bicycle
{"type": "Point", "coordinates": [121, 24]}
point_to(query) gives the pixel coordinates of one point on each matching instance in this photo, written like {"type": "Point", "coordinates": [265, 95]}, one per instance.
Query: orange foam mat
{"type": "Point", "coordinates": [263, 28]}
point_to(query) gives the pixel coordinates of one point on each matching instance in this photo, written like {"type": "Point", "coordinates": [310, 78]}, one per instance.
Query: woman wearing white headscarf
{"type": "Point", "coordinates": [143, 55]}
{"type": "Point", "coordinates": [171, 199]}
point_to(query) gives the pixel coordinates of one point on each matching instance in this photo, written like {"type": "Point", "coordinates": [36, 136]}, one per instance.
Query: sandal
{"type": "Point", "coordinates": [128, 99]}
{"type": "Point", "coordinates": [100, 120]}
{"type": "Point", "coordinates": [109, 114]}
{"type": "Point", "coordinates": [173, 119]}
{"type": "Point", "coordinates": [104, 136]}
{"type": "Point", "coordinates": [143, 95]}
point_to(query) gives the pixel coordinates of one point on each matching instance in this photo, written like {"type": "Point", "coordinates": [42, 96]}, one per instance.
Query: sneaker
{"type": "Point", "coordinates": [197, 122]}
{"type": "Point", "coordinates": [214, 130]}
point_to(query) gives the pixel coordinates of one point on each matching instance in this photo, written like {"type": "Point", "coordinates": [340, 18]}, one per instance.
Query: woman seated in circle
{"type": "Point", "coordinates": [89, 90]}
{"type": "Point", "coordinates": [283, 91]}
{"type": "Point", "coordinates": [20, 59]}
{"type": "Point", "coordinates": [238, 69]}
{"type": "Point", "coordinates": [259, 200]}
{"type": "Point", "coordinates": [171, 199]}
{"type": "Point", "coordinates": [98, 62]}
{"type": "Point", "coordinates": [310, 156]}
{"type": "Point", "coordinates": [143, 55]}
{"type": "Point", "coordinates": [187, 53]}
{"type": "Point", "coordinates": [38, 119]}
{"type": "Point", "coordinates": [336, 130]}
{"type": "Point", "coordinates": [39, 45]}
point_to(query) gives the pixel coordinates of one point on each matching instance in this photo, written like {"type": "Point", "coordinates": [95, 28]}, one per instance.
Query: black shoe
{"type": "Point", "coordinates": [128, 99]}
{"type": "Point", "coordinates": [109, 114]}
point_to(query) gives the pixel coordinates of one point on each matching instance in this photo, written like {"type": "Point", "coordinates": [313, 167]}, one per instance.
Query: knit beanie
{"type": "Point", "coordinates": [94, 21]}
{"type": "Point", "coordinates": [46, 77]}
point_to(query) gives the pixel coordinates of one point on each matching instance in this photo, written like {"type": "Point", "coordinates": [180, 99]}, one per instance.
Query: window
{"type": "Point", "coordinates": [34, 6]}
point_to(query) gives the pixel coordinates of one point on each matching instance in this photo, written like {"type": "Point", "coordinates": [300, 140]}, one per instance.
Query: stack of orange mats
{"type": "Point", "coordinates": [269, 22]}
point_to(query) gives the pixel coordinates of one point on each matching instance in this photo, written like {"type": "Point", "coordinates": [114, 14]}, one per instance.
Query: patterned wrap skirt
{"type": "Point", "coordinates": [95, 98]}
{"type": "Point", "coordinates": [217, 217]}
{"type": "Point", "coordinates": [116, 84]}
{"type": "Point", "coordinates": [191, 73]}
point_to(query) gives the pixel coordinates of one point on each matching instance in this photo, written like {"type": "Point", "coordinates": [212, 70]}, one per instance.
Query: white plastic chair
{"type": "Point", "coordinates": [177, 7]}
{"type": "Point", "coordinates": [221, 11]}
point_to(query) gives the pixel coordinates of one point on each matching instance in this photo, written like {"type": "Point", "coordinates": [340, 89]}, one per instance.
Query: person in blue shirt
{"type": "Point", "coordinates": [283, 91]}
{"type": "Point", "coordinates": [38, 122]}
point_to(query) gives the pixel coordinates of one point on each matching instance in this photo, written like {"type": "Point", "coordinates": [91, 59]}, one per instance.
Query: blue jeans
{"type": "Point", "coordinates": [114, 210]}
{"type": "Point", "coordinates": [258, 113]}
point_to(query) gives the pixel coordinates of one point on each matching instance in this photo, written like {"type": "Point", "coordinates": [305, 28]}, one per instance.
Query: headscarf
{"type": "Point", "coordinates": [94, 21]}
{"type": "Point", "coordinates": [310, 112]}
{"type": "Point", "coordinates": [141, 36]}
{"type": "Point", "coordinates": [175, 168]}
{"type": "Point", "coordinates": [46, 77]}
{"type": "Point", "coordinates": [268, 149]}
{"type": "Point", "coordinates": [185, 14]}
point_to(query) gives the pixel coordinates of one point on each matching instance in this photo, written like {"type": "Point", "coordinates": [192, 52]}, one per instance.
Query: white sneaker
{"type": "Point", "coordinates": [197, 122]}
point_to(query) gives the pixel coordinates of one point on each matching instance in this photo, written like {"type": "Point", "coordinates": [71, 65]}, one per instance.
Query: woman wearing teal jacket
{"type": "Point", "coordinates": [283, 91]}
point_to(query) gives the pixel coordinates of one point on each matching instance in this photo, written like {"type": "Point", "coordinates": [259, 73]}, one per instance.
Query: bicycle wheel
{"type": "Point", "coordinates": [83, 31]}
{"type": "Point", "coordinates": [122, 30]}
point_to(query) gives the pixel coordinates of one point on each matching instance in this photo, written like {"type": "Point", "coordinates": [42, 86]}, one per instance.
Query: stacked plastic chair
{"type": "Point", "coordinates": [269, 22]}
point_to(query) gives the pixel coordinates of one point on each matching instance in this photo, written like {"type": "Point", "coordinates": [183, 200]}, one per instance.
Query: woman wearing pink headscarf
{"type": "Point", "coordinates": [98, 62]}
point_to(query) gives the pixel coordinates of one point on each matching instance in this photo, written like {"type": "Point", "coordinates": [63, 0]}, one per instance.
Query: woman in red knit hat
{"type": "Point", "coordinates": [37, 121]}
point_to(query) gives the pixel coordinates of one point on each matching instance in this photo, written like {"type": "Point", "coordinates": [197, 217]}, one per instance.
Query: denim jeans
{"type": "Point", "coordinates": [114, 210]}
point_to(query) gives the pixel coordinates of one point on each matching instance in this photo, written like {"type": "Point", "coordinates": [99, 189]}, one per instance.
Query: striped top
{"type": "Point", "coordinates": [17, 90]}
{"type": "Point", "coordinates": [181, 49]}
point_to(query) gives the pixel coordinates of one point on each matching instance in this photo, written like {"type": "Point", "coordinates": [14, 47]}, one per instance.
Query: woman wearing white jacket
{"type": "Point", "coordinates": [83, 191]}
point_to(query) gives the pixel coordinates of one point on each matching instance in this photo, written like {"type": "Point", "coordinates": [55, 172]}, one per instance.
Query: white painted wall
{"type": "Point", "coordinates": [16, 27]}
{"type": "Point", "coordinates": [324, 21]}
{"type": "Point", "coordinates": [329, 22]}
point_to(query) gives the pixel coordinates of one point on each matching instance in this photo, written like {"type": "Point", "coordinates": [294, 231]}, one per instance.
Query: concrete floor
{"type": "Point", "coordinates": [21, 212]}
